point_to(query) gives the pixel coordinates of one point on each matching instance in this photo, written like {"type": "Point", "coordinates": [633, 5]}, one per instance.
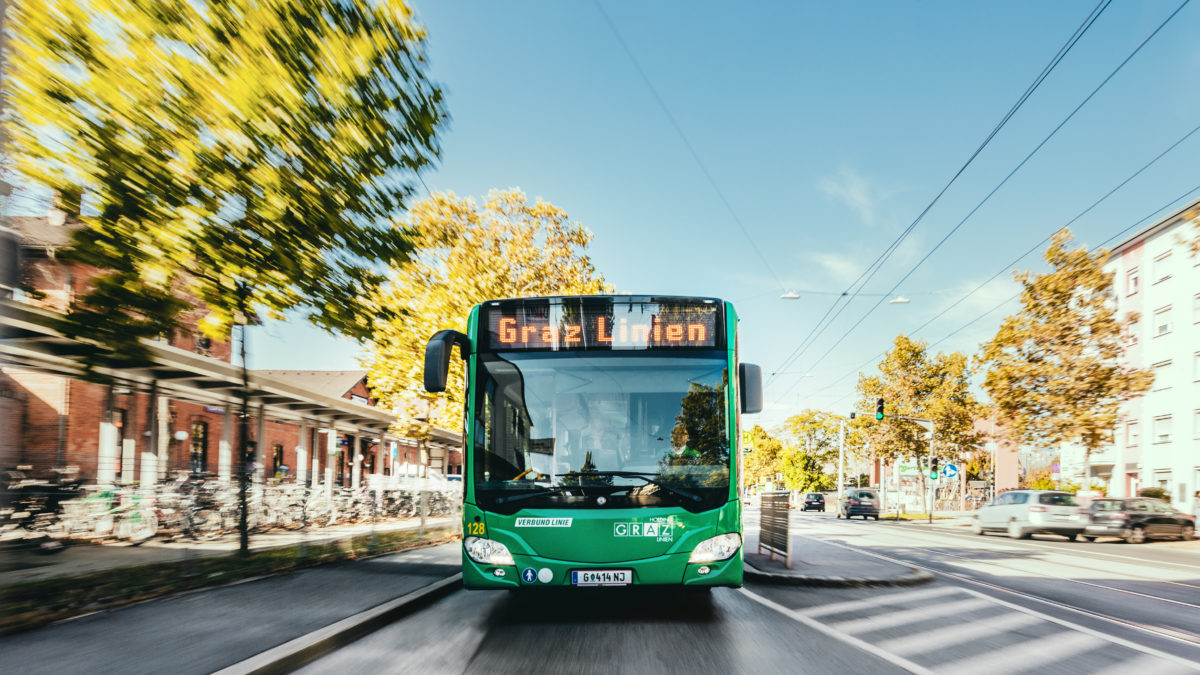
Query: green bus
{"type": "Point", "coordinates": [601, 443]}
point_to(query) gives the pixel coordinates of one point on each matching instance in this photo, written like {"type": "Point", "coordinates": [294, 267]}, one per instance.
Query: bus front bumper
{"type": "Point", "coordinates": [668, 570]}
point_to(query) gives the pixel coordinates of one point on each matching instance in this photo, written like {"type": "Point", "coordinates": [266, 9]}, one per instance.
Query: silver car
{"type": "Point", "coordinates": [1021, 513]}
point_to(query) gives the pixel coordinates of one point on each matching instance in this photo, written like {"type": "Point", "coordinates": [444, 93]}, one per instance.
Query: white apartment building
{"type": "Point", "coordinates": [1157, 440]}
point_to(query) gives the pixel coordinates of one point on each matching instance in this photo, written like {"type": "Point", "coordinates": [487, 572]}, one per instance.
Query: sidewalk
{"type": "Point", "coordinates": [205, 631]}
{"type": "Point", "coordinates": [36, 590]}
{"type": "Point", "coordinates": [817, 563]}
{"type": "Point", "coordinates": [24, 565]}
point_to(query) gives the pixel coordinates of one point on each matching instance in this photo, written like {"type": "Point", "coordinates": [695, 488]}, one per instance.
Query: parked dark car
{"type": "Point", "coordinates": [1137, 519]}
{"type": "Point", "coordinates": [858, 502]}
{"type": "Point", "coordinates": [814, 501]}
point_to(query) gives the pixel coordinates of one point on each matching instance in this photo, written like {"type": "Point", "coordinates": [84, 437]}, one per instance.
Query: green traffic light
{"type": "Point", "coordinates": [878, 416]}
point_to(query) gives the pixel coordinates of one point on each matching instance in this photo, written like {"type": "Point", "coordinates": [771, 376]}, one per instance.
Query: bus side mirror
{"type": "Point", "coordinates": [750, 380]}
{"type": "Point", "coordinates": [437, 357]}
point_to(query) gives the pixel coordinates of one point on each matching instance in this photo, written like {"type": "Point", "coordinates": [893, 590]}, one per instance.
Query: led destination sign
{"type": "Point", "coordinates": [602, 325]}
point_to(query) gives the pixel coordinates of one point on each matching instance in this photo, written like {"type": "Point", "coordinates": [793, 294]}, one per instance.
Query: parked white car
{"type": "Point", "coordinates": [1021, 513]}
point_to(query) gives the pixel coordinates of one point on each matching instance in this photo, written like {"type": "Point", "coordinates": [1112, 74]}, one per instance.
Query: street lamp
{"type": "Point", "coordinates": [899, 300]}
{"type": "Point", "coordinates": [790, 295]}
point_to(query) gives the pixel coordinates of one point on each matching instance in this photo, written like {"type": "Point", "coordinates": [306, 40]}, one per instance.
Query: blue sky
{"type": "Point", "coordinates": [828, 128]}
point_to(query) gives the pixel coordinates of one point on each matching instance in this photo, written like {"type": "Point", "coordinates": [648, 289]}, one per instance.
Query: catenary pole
{"type": "Point", "coordinates": [841, 457]}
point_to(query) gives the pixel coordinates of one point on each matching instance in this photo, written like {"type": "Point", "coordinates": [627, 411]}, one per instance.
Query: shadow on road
{"type": "Point", "coordinates": [604, 605]}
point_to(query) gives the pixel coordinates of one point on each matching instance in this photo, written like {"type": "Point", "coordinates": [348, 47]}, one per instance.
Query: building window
{"type": "Point", "coordinates": [1196, 424]}
{"type": "Point", "coordinates": [1162, 429]}
{"type": "Point", "coordinates": [1131, 331]}
{"type": "Point", "coordinates": [1131, 434]}
{"type": "Point", "coordinates": [198, 455]}
{"type": "Point", "coordinates": [118, 420]}
{"type": "Point", "coordinates": [1131, 282]}
{"type": "Point", "coordinates": [358, 399]}
{"type": "Point", "coordinates": [1196, 308]}
{"type": "Point", "coordinates": [1162, 321]}
{"type": "Point", "coordinates": [1162, 267]}
{"type": "Point", "coordinates": [277, 460]}
{"type": "Point", "coordinates": [1162, 376]}
{"type": "Point", "coordinates": [1196, 366]}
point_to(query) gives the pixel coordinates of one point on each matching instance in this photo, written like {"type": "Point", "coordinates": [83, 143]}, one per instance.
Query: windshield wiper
{"type": "Point", "coordinates": [648, 477]}
{"type": "Point", "coordinates": [553, 490]}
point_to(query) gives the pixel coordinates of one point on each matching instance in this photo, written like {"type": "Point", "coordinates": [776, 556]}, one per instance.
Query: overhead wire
{"type": "Point", "coordinates": [869, 273]}
{"type": "Point", "coordinates": [1189, 193]}
{"type": "Point", "coordinates": [687, 144]}
{"type": "Point", "coordinates": [994, 190]}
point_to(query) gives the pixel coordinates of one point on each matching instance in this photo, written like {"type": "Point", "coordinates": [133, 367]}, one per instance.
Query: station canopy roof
{"type": "Point", "coordinates": [28, 338]}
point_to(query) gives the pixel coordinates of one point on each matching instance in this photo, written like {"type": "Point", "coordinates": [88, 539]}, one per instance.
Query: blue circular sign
{"type": "Point", "coordinates": [529, 574]}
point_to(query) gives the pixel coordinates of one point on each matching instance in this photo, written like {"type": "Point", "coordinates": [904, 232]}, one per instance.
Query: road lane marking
{"type": "Point", "coordinates": [1062, 622]}
{"type": "Point", "coordinates": [1047, 574]}
{"type": "Point", "coordinates": [1024, 544]}
{"type": "Point", "coordinates": [894, 659]}
{"type": "Point", "coordinates": [879, 601]}
{"type": "Point", "coordinates": [892, 619]}
{"type": "Point", "coordinates": [1022, 655]}
{"type": "Point", "coordinates": [944, 636]}
{"type": "Point", "coordinates": [1142, 664]}
{"type": "Point", "coordinates": [1051, 575]}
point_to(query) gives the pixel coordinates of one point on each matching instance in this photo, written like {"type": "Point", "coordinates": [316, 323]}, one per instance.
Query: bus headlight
{"type": "Point", "coordinates": [717, 548]}
{"type": "Point", "coordinates": [487, 551]}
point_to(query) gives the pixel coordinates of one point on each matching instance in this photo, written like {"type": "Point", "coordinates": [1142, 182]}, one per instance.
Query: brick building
{"type": "Point", "coordinates": [179, 410]}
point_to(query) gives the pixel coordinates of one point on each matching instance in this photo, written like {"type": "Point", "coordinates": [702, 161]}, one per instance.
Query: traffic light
{"type": "Point", "coordinates": [933, 465]}
{"type": "Point", "coordinates": [879, 409]}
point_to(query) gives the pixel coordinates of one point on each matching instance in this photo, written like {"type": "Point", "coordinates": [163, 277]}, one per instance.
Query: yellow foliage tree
{"type": "Point", "coordinates": [762, 463]}
{"type": "Point", "coordinates": [505, 247]}
{"type": "Point", "coordinates": [1054, 368]}
{"type": "Point", "coordinates": [245, 152]}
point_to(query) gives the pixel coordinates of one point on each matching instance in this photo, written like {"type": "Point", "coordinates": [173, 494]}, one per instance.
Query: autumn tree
{"type": "Point", "coordinates": [1053, 369]}
{"type": "Point", "coordinates": [805, 471]}
{"type": "Point", "coordinates": [763, 461]}
{"type": "Point", "coordinates": [504, 247]}
{"type": "Point", "coordinates": [1193, 246]}
{"type": "Point", "coordinates": [246, 153]}
{"type": "Point", "coordinates": [813, 444]}
{"type": "Point", "coordinates": [914, 383]}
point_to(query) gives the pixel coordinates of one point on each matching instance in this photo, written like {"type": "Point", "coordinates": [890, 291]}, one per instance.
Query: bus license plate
{"type": "Point", "coordinates": [601, 577]}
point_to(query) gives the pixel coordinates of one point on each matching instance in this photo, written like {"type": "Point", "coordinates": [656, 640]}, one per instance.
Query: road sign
{"type": "Point", "coordinates": [747, 439]}
{"type": "Point", "coordinates": [949, 471]}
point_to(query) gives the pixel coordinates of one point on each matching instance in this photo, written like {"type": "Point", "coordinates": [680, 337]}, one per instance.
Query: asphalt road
{"type": "Point", "coordinates": [204, 631]}
{"type": "Point", "coordinates": [997, 606]}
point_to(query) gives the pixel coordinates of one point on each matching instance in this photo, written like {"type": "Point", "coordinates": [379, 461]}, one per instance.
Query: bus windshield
{"type": "Point", "coordinates": [601, 430]}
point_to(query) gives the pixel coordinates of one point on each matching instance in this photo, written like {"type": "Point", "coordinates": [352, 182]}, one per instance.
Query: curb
{"type": "Point", "coordinates": [305, 649]}
{"type": "Point", "coordinates": [912, 577]}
